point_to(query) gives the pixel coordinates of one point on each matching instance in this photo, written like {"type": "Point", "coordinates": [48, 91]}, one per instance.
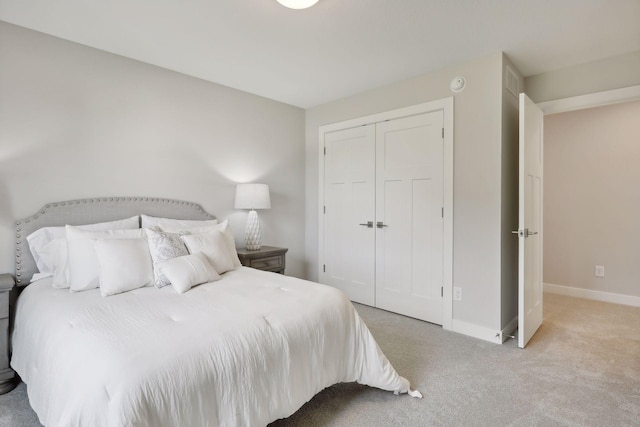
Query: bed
{"type": "Point", "coordinates": [247, 349]}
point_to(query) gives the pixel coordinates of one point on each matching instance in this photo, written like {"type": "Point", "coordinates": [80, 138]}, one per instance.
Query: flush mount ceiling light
{"type": "Point", "coordinates": [297, 4]}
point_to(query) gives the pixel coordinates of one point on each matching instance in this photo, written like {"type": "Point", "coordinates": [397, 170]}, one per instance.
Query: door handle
{"type": "Point", "coordinates": [379, 224]}
{"type": "Point", "coordinates": [369, 224]}
{"type": "Point", "coordinates": [525, 233]}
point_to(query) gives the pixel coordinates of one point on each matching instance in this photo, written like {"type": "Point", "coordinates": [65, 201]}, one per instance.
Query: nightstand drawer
{"type": "Point", "coordinates": [267, 258]}
{"type": "Point", "coordinates": [4, 345]}
{"type": "Point", "coordinates": [4, 305]}
{"type": "Point", "coordinates": [274, 262]}
{"type": "Point", "coordinates": [7, 375]}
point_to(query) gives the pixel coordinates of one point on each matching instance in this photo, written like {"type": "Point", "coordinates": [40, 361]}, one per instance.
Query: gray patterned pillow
{"type": "Point", "coordinates": [163, 246]}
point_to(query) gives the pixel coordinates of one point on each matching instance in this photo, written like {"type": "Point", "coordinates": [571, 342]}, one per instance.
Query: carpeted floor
{"type": "Point", "coordinates": [582, 368]}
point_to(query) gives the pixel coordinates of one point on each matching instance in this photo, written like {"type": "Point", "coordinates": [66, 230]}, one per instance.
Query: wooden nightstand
{"type": "Point", "coordinates": [7, 375]}
{"type": "Point", "coordinates": [267, 258]}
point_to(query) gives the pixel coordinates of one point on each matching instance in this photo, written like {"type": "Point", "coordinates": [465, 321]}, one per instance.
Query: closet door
{"type": "Point", "coordinates": [409, 203]}
{"type": "Point", "coordinates": [349, 242]}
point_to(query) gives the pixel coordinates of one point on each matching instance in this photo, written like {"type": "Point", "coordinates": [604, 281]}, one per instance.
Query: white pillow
{"type": "Point", "coordinates": [152, 221]}
{"type": "Point", "coordinates": [59, 254]}
{"type": "Point", "coordinates": [38, 241]}
{"type": "Point", "coordinates": [231, 242]}
{"type": "Point", "coordinates": [125, 264]}
{"type": "Point", "coordinates": [187, 271]}
{"type": "Point", "coordinates": [213, 245]}
{"type": "Point", "coordinates": [163, 246]}
{"type": "Point", "coordinates": [48, 245]}
{"type": "Point", "coordinates": [83, 260]}
{"type": "Point", "coordinates": [226, 230]}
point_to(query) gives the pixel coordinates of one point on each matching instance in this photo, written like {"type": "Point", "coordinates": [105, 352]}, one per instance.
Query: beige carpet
{"type": "Point", "coordinates": [582, 368]}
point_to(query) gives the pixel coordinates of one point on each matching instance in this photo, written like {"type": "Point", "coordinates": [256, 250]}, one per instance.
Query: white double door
{"type": "Point", "coordinates": [383, 224]}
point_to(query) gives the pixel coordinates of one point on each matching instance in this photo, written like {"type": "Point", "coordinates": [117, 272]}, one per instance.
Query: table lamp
{"type": "Point", "coordinates": [253, 196]}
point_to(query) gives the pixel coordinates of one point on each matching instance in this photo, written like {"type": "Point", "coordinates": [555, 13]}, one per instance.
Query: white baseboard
{"type": "Point", "coordinates": [476, 331]}
{"type": "Point", "coordinates": [593, 295]}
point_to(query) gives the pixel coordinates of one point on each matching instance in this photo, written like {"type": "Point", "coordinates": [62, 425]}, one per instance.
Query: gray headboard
{"type": "Point", "coordinates": [88, 211]}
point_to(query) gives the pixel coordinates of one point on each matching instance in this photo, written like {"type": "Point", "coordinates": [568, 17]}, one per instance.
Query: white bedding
{"type": "Point", "coordinates": [245, 350]}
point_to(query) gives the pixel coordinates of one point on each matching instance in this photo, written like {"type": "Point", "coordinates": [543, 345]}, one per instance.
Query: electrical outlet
{"type": "Point", "coordinates": [457, 293]}
{"type": "Point", "coordinates": [599, 270]}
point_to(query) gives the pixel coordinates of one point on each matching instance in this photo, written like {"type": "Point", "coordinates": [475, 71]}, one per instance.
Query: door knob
{"type": "Point", "coordinates": [369, 224]}
{"type": "Point", "coordinates": [379, 224]}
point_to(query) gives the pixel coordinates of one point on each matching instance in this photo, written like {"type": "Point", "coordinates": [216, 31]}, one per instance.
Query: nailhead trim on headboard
{"type": "Point", "coordinates": [87, 211]}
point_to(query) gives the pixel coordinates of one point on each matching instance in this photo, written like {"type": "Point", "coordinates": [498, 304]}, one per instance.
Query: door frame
{"type": "Point", "coordinates": [574, 103]}
{"type": "Point", "coordinates": [446, 106]}
{"type": "Point", "coordinates": [590, 100]}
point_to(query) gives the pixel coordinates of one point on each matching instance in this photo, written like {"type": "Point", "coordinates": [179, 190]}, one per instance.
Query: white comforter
{"type": "Point", "coordinates": [246, 350]}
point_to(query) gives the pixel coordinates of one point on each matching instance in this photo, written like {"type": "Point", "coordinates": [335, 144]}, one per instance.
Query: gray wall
{"type": "Point", "coordinates": [477, 174]}
{"type": "Point", "coordinates": [591, 198]}
{"type": "Point", "coordinates": [77, 122]}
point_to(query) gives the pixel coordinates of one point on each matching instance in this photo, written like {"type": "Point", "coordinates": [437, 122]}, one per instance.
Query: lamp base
{"type": "Point", "coordinates": [253, 238]}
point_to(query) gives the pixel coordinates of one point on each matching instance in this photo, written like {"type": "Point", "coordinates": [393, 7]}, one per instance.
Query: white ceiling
{"type": "Point", "coordinates": [338, 47]}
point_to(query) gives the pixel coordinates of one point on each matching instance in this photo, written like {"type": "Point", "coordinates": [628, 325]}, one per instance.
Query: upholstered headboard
{"type": "Point", "coordinates": [88, 211]}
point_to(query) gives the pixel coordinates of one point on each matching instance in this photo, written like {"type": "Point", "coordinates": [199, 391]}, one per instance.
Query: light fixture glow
{"type": "Point", "coordinates": [297, 4]}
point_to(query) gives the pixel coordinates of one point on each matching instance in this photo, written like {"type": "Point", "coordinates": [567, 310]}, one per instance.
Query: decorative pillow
{"type": "Point", "coordinates": [125, 264]}
{"type": "Point", "coordinates": [152, 221]}
{"type": "Point", "coordinates": [187, 271]}
{"type": "Point", "coordinates": [48, 245]}
{"type": "Point", "coordinates": [226, 230]}
{"type": "Point", "coordinates": [83, 260]}
{"type": "Point", "coordinates": [213, 245]}
{"type": "Point", "coordinates": [163, 246]}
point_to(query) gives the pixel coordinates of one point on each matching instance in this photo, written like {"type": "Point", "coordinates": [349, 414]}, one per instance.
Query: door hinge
{"type": "Point", "coordinates": [441, 291]}
{"type": "Point", "coordinates": [443, 132]}
{"type": "Point", "coordinates": [442, 212]}
{"type": "Point", "coordinates": [324, 209]}
{"type": "Point", "coordinates": [324, 268]}
{"type": "Point", "coordinates": [325, 151]}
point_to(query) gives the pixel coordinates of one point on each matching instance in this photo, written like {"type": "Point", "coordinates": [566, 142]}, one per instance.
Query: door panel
{"type": "Point", "coordinates": [530, 221]}
{"type": "Point", "coordinates": [409, 199]}
{"type": "Point", "coordinates": [349, 248]}
{"type": "Point", "coordinates": [421, 191]}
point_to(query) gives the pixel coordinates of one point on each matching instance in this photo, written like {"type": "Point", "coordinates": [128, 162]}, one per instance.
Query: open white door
{"type": "Point", "coordinates": [530, 221]}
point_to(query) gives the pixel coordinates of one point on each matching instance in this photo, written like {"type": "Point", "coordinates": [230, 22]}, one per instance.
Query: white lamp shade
{"type": "Point", "coordinates": [297, 4]}
{"type": "Point", "coordinates": [252, 196]}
